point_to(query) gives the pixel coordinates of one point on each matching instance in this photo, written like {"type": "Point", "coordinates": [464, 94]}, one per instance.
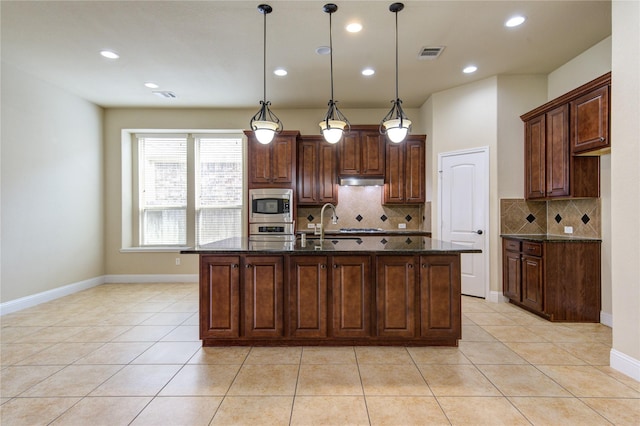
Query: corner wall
{"type": "Point", "coordinates": [52, 187]}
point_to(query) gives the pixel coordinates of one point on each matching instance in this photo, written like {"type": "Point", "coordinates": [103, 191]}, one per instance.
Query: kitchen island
{"type": "Point", "coordinates": [343, 290]}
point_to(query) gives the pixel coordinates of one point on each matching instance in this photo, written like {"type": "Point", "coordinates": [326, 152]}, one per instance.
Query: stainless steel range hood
{"type": "Point", "coordinates": [361, 181]}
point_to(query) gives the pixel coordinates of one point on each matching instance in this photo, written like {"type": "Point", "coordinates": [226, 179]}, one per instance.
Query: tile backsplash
{"type": "Point", "coordinates": [361, 207]}
{"type": "Point", "coordinates": [518, 216]}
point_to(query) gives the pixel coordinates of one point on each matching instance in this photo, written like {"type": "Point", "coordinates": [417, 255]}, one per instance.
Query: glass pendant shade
{"type": "Point", "coordinates": [265, 131]}
{"type": "Point", "coordinates": [397, 129]}
{"type": "Point", "coordinates": [333, 132]}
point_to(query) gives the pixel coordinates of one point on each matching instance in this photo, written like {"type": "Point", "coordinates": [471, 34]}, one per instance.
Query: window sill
{"type": "Point", "coordinates": [169, 249]}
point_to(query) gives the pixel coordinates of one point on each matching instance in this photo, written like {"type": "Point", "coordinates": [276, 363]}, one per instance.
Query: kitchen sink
{"type": "Point", "coordinates": [333, 237]}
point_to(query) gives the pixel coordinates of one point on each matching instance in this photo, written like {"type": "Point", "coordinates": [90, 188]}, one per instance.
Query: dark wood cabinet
{"type": "Point", "coordinates": [272, 164]}
{"type": "Point", "coordinates": [350, 308]}
{"type": "Point", "coordinates": [558, 280]}
{"type": "Point", "coordinates": [263, 296]}
{"type": "Point", "coordinates": [574, 123]}
{"type": "Point", "coordinates": [590, 122]}
{"type": "Point", "coordinates": [317, 171]}
{"type": "Point", "coordinates": [404, 181]}
{"type": "Point", "coordinates": [395, 296]}
{"type": "Point", "coordinates": [439, 309]}
{"type": "Point", "coordinates": [362, 152]}
{"type": "Point", "coordinates": [308, 296]}
{"type": "Point", "coordinates": [219, 297]}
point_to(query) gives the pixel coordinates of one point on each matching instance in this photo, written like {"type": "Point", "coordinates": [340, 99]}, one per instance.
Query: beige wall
{"type": "Point", "coordinates": [116, 119]}
{"type": "Point", "coordinates": [625, 184]}
{"type": "Point", "coordinates": [52, 187]}
{"type": "Point", "coordinates": [585, 67]}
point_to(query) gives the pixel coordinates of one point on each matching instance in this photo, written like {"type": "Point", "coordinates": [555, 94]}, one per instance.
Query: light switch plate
{"type": "Point", "coordinates": [402, 226]}
{"type": "Point", "coordinates": [311, 225]}
{"type": "Point", "coordinates": [568, 229]}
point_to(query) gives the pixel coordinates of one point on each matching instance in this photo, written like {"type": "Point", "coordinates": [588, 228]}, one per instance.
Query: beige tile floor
{"type": "Point", "coordinates": [122, 354]}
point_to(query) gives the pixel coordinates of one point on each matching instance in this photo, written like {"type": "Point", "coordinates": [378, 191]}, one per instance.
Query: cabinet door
{"type": "Point", "coordinates": [308, 296]}
{"type": "Point", "coordinates": [414, 191]}
{"type": "Point", "coordinates": [557, 152]}
{"type": "Point", "coordinates": [350, 154]}
{"type": "Point", "coordinates": [307, 187]}
{"type": "Point", "coordinates": [263, 296]}
{"type": "Point", "coordinates": [440, 297]}
{"type": "Point", "coordinates": [395, 296]}
{"type": "Point", "coordinates": [394, 179]}
{"type": "Point", "coordinates": [532, 276]}
{"type": "Point", "coordinates": [372, 154]}
{"type": "Point", "coordinates": [351, 296]}
{"type": "Point", "coordinates": [590, 121]}
{"type": "Point", "coordinates": [511, 275]}
{"type": "Point", "coordinates": [259, 162]}
{"type": "Point", "coordinates": [219, 296]}
{"type": "Point", "coordinates": [534, 158]}
{"type": "Point", "coordinates": [282, 159]}
{"type": "Point", "coordinates": [327, 173]}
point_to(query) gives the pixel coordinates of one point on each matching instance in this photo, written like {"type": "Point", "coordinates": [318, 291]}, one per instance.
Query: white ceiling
{"type": "Point", "coordinates": [209, 53]}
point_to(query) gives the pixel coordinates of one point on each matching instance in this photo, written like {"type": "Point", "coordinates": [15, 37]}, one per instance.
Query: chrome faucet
{"type": "Point", "coordinates": [334, 220]}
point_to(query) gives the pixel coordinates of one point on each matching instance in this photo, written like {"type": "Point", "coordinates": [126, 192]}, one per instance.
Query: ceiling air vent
{"type": "Point", "coordinates": [164, 94]}
{"type": "Point", "coordinates": [430, 52]}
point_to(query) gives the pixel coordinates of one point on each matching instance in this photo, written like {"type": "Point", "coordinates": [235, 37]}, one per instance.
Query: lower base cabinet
{"type": "Point", "coordinates": [558, 280]}
{"type": "Point", "coordinates": [332, 300]}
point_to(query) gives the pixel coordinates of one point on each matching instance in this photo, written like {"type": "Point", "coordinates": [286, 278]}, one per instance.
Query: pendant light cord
{"type": "Point", "coordinates": [264, 58]}
{"type": "Point", "coordinates": [331, 54]}
{"type": "Point", "coordinates": [396, 13]}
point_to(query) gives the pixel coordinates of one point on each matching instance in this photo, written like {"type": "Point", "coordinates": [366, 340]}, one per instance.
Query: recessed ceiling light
{"type": "Point", "coordinates": [109, 54]}
{"type": "Point", "coordinates": [151, 85]}
{"type": "Point", "coordinates": [323, 50]}
{"type": "Point", "coordinates": [354, 27]}
{"type": "Point", "coordinates": [470, 69]}
{"type": "Point", "coordinates": [514, 21]}
{"type": "Point", "coordinates": [280, 72]}
{"type": "Point", "coordinates": [368, 71]}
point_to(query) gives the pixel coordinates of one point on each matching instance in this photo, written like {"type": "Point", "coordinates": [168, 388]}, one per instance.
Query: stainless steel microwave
{"type": "Point", "coordinates": [272, 205]}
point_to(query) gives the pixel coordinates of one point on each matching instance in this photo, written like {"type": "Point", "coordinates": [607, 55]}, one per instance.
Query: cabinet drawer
{"type": "Point", "coordinates": [532, 249]}
{"type": "Point", "coordinates": [512, 245]}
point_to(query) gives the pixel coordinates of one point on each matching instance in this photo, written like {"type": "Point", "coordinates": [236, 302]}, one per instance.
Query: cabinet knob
{"type": "Point", "coordinates": [234, 266]}
{"type": "Point", "coordinates": [424, 266]}
{"type": "Point", "coordinates": [410, 266]}
{"type": "Point", "coordinates": [249, 266]}
{"type": "Point", "coordinates": [323, 266]}
{"type": "Point", "coordinates": [336, 266]}
{"type": "Point", "coordinates": [601, 139]}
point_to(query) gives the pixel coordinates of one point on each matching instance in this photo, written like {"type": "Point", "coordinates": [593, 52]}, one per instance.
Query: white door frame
{"type": "Point", "coordinates": [485, 250]}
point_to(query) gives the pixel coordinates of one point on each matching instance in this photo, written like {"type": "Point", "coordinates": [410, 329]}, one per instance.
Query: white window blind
{"type": "Point", "coordinates": [163, 190]}
{"type": "Point", "coordinates": [219, 207]}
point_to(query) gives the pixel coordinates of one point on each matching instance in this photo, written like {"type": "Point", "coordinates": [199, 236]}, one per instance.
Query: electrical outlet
{"type": "Point", "coordinates": [568, 229]}
{"type": "Point", "coordinates": [177, 261]}
{"type": "Point", "coordinates": [402, 226]}
{"type": "Point", "coordinates": [311, 225]}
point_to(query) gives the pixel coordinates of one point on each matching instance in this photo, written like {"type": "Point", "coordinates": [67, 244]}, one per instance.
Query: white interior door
{"type": "Point", "coordinates": [464, 212]}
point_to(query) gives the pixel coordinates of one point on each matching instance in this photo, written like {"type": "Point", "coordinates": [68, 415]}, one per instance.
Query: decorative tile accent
{"type": "Point", "coordinates": [366, 201]}
{"type": "Point", "coordinates": [408, 217]}
{"type": "Point", "coordinates": [384, 218]}
{"type": "Point", "coordinates": [408, 240]}
{"type": "Point", "coordinates": [530, 218]}
{"type": "Point", "coordinates": [359, 218]}
{"type": "Point", "coordinates": [514, 215]}
{"type": "Point", "coordinates": [585, 219]}
{"type": "Point", "coordinates": [384, 241]}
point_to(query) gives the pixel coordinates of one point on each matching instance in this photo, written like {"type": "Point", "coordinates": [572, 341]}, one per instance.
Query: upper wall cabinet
{"type": "Point", "coordinates": [317, 171]}
{"type": "Point", "coordinates": [579, 119]}
{"type": "Point", "coordinates": [404, 181]}
{"type": "Point", "coordinates": [362, 152]}
{"type": "Point", "coordinates": [272, 164]}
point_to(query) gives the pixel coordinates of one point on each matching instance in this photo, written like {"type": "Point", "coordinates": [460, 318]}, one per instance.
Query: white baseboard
{"type": "Point", "coordinates": [47, 296]}
{"type": "Point", "coordinates": [606, 319]}
{"type": "Point", "coordinates": [56, 293]}
{"type": "Point", "coordinates": [496, 297]}
{"type": "Point", "coordinates": [625, 364]}
{"type": "Point", "coordinates": [151, 278]}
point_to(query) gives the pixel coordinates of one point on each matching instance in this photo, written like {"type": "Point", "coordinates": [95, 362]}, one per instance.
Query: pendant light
{"type": "Point", "coordinates": [334, 122]}
{"type": "Point", "coordinates": [265, 124]}
{"type": "Point", "coordinates": [395, 124]}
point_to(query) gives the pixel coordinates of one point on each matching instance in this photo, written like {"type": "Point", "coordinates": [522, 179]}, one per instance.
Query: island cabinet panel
{"type": "Point", "coordinates": [219, 296]}
{"type": "Point", "coordinates": [351, 296]}
{"type": "Point", "coordinates": [263, 296]}
{"type": "Point", "coordinates": [439, 306]}
{"type": "Point", "coordinates": [395, 296]}
{"type": "Point", "coordinates": [308, 277]}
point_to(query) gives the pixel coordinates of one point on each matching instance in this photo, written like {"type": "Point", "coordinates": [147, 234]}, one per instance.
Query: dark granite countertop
{"type": "Point", "coordinates": [394, 232]}
{"type": "Point", "coordinates": [550, 238]}
{"type": "Point", "coordinates": [335, 244]}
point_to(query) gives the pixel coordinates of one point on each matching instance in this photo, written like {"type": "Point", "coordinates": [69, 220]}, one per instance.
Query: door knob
{"type": "Point", "coordinates": [479, 232]}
